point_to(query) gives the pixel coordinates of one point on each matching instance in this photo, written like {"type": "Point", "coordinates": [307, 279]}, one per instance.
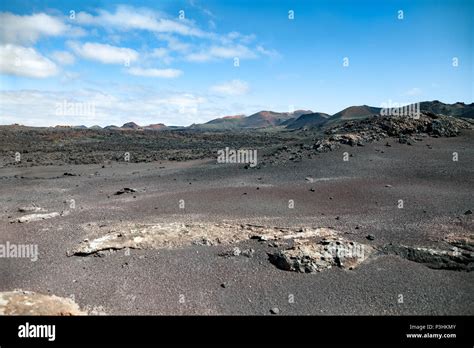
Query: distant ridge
{"type": "Point", "coordinates": [457, 109]}
{"type": "Point", "coordinates": [291, 120]}
{"type": "Point", "coordinates": [261, 119]}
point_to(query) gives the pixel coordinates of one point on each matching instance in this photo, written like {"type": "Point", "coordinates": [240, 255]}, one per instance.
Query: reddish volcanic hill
{"type": "Point", "coordinates": [233, 117]}
{"type": "Point", "coordinates": [270, 118]}
{"type": "Point", "coordinates": [156, 126]}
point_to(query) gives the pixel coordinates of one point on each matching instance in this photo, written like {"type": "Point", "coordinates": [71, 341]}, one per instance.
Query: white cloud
{"type": "Point", "coordinates": [236, 36]}
{"type": "Point", "coordinates": [160, 52]}
{"type": "Point", "coordinates": [127, 17]}
{"type": "Point", "coordinates": [232, 88]}
{"type": "Point", "coordinates": [175, 45]}
{"type": "Point", "coordinates": [217, 46]}
{"type": "Point", "coordinates": [164, 73]}
{"type": "Point", "coordinates": [63, 57]}
{"type": "Point", "coordinates": [163, 54]}
{"type": "Point", "coordinates": [219, 52]}
{"type": "Point", "coordinates": [24, 61]}
{"type": "Point", "coordinates": [104, 53]}
{"type": "Point", "coordinates": [28, 29]}
{"type": "Point", "coordinates": [232, 51]}
{"type": "Point", "coordinates": [206, 11]}
{"type": "Point", "coordinates": [269, 53]}
{"type": "Point", "coordinates": [42, 106]}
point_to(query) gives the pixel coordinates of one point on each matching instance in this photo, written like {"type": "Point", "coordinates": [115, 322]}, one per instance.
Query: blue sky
{"type": "Point", "coordinates": [140, 61]}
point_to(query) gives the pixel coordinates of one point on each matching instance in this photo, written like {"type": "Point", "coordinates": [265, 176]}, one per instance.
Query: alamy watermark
{"type": "Point", "coordinates": [400, 109]}
{"type": "Point", "coordinates": [67, 108]}
{"type": "Point", "coordinates": [237, 156]}
{"type": "Point", "coordinates": [345, 251]}
{"type": "Point", "coordinates": [11, 250]}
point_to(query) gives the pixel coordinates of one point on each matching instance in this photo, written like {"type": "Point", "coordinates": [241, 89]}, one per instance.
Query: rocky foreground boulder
{"type": "Point", "coordinates": [358, 132]}
{"type": "Point", "coordinates": [20, 302]}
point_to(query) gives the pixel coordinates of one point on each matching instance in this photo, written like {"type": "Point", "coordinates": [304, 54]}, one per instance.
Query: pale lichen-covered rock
{"type": "Point", "coordinates": [37, 217]}
{"type": "Point", "coordinates": [19, 302]}
{"type": "Point", "coordinates": [30, 209]}
{"type": "Point", "coordinates": [176, 235]}
{"type": "Point", "coordinates": [349, 139]}
{"type": "Point", "coordinates": [457, 258]}
{"type": "Point", "coordinates": [309, 256]}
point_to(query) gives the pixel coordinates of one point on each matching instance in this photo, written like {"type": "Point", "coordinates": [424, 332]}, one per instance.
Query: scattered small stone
{"type": "Point", "coordinates": [236, 251]}
{"type": "Point", "coordinates": [261, 238]}
{"type": "Point", "coordinates": [203, 241]}
{"type": "Point", "coordinates": [248, 252]}
{"type": "Point", "coordinates": [224, 285]}
{"type": "Point", "coordinates": [388, 185]}
{"type": "Point", "coordinates": [311, 189]}
{"type": "Point", "coordinates": [370, 237]}
{"type": "Point", "coordinates": [275, 310]}
{"type": "Point", "coordinates": [30, 209]}
{"type": "Point", "coordinates": [125, 190]}
{"type": "Point", "coordinates": [468, 212]}
{"type": "Point", "coordinates": [69, 174]}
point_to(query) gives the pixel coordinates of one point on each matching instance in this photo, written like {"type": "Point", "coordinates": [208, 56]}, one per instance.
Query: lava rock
{"type": "Point", "coordinates": [125, 190]}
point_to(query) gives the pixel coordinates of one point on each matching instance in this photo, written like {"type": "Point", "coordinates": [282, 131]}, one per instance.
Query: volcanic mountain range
{"type": "Point", "coordinates": [300, 119]}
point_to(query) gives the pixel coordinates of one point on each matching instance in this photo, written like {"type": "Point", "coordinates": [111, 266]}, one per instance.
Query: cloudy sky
{"type": "Point", "coordinates": [183, 62]}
